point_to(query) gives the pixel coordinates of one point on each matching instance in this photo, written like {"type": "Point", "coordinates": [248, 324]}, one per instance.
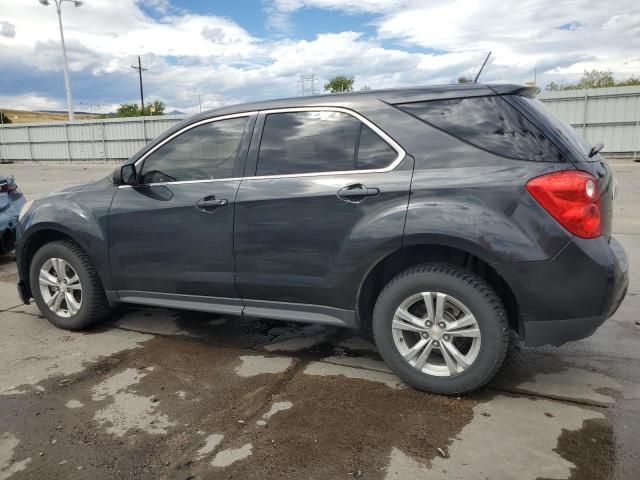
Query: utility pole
{"type": "Point", "coordinates": [140, 70]}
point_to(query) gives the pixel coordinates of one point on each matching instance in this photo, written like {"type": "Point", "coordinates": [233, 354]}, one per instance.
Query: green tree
{"type": "Point", "coordinates": [632, 80]}
{"type": "Point", "coordinates": [156, 108]}
{"type": "Point", "coordinates": [128, 110]}
{"type": "Point", "coordinates": [594, 79]}
{"type": "Point", "coordinates": [133, 110]}
{"type": "Point", "coordinates": [339, 83]}
{"type": "Point", "coordinates": [464, 79]}
{"type": "Point", "coordinates": [5, 119]}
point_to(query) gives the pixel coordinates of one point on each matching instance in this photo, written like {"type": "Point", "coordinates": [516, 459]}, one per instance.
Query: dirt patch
{"type": "Point", "coordinates": [341, 428]}
{"type": "Point", "coordinates": [76, 443]}
{"type": "Point", "coordinates": [591, 449]}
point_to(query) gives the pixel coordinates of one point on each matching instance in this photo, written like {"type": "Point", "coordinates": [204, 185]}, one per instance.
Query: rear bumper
{"type": "Point", "coordinates": [569, 297]}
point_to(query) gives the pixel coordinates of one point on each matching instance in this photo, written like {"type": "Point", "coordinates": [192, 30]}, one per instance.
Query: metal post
{"type": "Point", "coordinates": [104, 145]}
{"type": "Point", "coordinates": [67, 82]}
{"type": "Point", "coordinates": [30, 144]}
{"type": "Point", "coordinates": [66, 136]}
{"type": "Point", "coordinates": [584, 119]}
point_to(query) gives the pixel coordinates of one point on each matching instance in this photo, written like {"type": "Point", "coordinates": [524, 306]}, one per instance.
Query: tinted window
{"type": "Point", "coordinates": [307, 142]}
{"type": "Point", "coordinates": [564, 130]}
{"type": "Point", "coordinates": [205, 152]}
{"type": "Point", "coordinates": [373, 151]}
{"type": "Point", "coordinates": [489, 123]}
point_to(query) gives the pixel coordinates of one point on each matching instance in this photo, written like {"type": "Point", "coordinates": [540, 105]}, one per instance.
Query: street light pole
{"type": "Point", "coordinates": [67, 81]}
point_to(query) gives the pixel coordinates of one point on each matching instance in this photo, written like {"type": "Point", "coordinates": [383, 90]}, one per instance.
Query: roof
{"type": "Point", "coordinates": [353, 99]}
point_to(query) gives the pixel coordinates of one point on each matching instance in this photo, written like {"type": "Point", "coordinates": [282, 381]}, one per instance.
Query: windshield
{"type": "Point", "coordinates": [559, 126]}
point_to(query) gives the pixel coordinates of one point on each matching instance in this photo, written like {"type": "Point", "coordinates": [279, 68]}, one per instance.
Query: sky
{"type": "Point", "coordinates": [221, 52]}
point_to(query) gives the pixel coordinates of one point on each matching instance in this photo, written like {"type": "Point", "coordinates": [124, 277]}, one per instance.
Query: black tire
{"type": "Point", "coordinates": [476, 295]}
{"type": "Point", "coordinates": [94, 305]}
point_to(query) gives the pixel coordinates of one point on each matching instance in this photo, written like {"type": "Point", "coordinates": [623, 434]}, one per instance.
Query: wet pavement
{"type": "Point", "coordinates": [155, 393]}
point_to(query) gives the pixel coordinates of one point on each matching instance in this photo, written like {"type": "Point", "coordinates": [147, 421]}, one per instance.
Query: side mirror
{"type": "Point", "coordinates": [126, 175]}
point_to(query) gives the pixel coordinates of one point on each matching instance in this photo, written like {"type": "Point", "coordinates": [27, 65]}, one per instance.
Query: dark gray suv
{"type": "Point", "coordinates": [439, 217]}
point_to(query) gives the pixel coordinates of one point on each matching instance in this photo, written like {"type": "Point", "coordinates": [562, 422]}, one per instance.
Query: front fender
{"type": "Point", "coordinates": [80, 215]}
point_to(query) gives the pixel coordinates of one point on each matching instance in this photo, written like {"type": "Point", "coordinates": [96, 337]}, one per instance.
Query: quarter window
{"type": "Point", "coordinates": [373, 151]}
{"type": "Point", "coordinates": [204, 152]}
{"type": "Point", "coordinates": [489, 123]}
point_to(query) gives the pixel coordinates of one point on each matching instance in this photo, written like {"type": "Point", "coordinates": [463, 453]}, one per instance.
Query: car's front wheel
{"type": "Point", "coordinates": [66, 286]}
{"type": "Point", "coordinates": [441, 328]}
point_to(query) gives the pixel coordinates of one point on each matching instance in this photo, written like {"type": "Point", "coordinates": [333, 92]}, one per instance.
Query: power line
{"type": "Point", "coordinates": [140, 70]}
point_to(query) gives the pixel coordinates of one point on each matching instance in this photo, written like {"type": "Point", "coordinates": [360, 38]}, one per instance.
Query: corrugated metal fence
{"type": "Point", "coordinates": [87, 140]}
{"type": "Point", "coordinates": [608, 115]}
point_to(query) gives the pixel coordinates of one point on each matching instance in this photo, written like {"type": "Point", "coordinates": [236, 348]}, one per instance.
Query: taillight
{"type": "Point", "coordinates": [7, 187]}
{"type": "Point", "coordinates": [572, 198]}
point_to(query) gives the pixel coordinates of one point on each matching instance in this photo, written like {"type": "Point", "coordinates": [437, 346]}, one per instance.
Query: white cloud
{"type": "Point", "coordinates": [30, 101]}
{"type": "Point", "coordinates": [190, 54]}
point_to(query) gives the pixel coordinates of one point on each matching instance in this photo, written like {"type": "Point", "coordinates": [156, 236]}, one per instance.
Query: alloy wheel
{"type": "Point", "coordinates": [60, 287]}
{"type": "Point", "coordinates": [436, 334]}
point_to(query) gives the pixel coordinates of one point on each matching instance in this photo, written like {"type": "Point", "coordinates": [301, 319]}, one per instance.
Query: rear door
{"type": "Point", "coordinates": [329, 195]}
{"type": "Point", "coordinates": [171, 237]}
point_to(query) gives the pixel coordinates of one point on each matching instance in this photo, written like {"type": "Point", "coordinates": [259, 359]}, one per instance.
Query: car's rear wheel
{"type": "Point", "coordinates": [66, 286]}
{"type": "Point", "coordinates": [441, 328]}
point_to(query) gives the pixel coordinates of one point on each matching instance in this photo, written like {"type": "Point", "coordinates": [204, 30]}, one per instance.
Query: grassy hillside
{"type": "Point", "coordinates": [23, 116]}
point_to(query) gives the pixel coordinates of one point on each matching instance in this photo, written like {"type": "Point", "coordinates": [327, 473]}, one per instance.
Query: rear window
{"type": "Point", "coordinates": [489, 123]}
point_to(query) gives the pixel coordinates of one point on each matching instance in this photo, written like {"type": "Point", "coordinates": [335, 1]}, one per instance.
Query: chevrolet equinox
{"type": "Point", "coordinates": [438, 217]}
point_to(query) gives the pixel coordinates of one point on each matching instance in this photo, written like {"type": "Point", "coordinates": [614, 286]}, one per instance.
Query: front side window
{"type": "Point", "coordinates": [205, 152]}
{"type": "Point", "coordinates": [489, 123]}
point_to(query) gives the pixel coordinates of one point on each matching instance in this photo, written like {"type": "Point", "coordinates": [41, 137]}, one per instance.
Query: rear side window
{"type": "Point", "coordinates": [319, 142]}
{"type": "Point", "coordinates": [489, 123]}
{"type": "Point", "coordinates": [307, 142]}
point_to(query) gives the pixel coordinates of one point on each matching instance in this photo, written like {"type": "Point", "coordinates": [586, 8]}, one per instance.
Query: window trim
{"type": "Point", "coordinates": [142, 159]}
{"type": "Point", "coordinates": [386, 138]}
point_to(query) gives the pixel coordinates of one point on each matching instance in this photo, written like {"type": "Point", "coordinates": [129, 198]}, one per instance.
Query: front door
{"type": "Point", "coordinates": [171, 237]}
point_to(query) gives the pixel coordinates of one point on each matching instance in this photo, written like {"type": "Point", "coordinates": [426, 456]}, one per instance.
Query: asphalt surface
{"type": "Point", "coordinates": [156, 393]}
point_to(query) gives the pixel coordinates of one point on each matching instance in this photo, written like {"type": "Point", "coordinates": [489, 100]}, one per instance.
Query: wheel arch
{"type": "Point", "coordinates": [456, 253]}
{"type": "Point", "coordinates": [41, 234]}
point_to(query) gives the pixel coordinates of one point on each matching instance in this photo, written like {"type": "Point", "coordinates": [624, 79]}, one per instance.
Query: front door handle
{"type": "Point", "coordinates": [211, 203]}
{"type": "Point", "coordinates": [357, 193]}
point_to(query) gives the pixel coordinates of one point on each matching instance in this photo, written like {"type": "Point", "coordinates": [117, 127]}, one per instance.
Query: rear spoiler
{"type": "Point", "coordinates": [523, 91]}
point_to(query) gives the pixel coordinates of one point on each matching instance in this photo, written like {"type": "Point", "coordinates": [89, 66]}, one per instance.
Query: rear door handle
{"type": "Point", "coordinates": [211, 203]}
{"type": "Point", "coordinates": [357, 193]}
